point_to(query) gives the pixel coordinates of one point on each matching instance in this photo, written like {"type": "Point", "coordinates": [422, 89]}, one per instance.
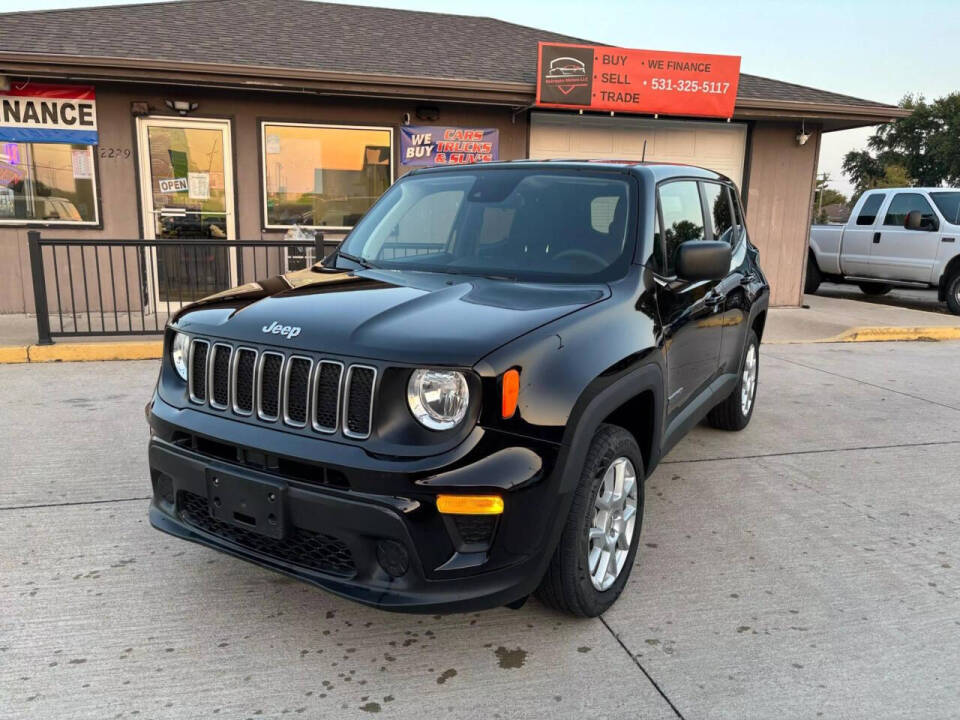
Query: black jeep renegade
{"type": "Point", "coordinates": [458, 407]}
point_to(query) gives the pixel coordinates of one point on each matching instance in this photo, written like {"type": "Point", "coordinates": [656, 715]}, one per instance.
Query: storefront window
{"type": "Point", "coordinates": [323, 176]}
{"type": "Point", "coordinates": [47, 182]}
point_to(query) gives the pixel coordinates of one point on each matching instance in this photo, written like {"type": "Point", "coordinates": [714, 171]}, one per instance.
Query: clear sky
{"type": "Point", "coordinates": [874, 49]}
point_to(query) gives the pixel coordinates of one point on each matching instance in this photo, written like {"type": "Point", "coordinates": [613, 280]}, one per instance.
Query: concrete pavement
{"type": "Point", "coordinates": [834, 319]}
{"type": "Point", "coordinates": [805, 567]}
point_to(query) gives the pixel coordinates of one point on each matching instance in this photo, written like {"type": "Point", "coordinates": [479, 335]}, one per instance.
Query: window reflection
{"type": "Point", "coordinates": [52, 182]}
{"type": "Point", "coordinates": [323, 176]}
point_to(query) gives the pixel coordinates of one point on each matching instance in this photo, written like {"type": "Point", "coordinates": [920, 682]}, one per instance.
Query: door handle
{"type": "Point", "coordinates": [876, 237]}
{"type": "Point", "coordinates": [947, 239]}
{"type": "Point", "coordinates": [712, 299]}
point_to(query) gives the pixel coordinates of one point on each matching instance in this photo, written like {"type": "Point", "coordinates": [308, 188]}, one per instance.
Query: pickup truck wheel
{"type": "Point", "coordinates": [875, 289]}
{"type": "Point", "coordinates": [735, 411]}
{"type": "Point", "coordinates": [814, 277]}
{"type": "Point", "coordinates": [953, 294]}
{"type": "Point", "coordinates": [593, 559]}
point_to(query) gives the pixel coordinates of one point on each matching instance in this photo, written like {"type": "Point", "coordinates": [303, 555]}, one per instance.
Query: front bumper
{"type": "Point", "coordinates": [336, 535]}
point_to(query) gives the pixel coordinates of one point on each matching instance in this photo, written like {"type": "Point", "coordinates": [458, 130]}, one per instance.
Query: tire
{"type": "Point", "coordinates": [814, 277]}
{"type": "Point", "coordinates": [874, 289]}
{"type": "Point", "coordinates": [953, 294]}
{"type": "Point", "coordinates": [568, 585]}
{"type": "Point", "coordinates": [735, 411]}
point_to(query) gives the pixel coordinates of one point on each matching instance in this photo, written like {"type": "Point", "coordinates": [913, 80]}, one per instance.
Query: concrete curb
{"type": "Point", "coordinates": [884, 334]}
{"type": "Point", "coordinates": [82, 352]}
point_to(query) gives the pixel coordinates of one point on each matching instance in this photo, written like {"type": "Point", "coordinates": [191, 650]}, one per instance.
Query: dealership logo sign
{"type": "Point", "coordinates": [33, 112]}
{"type": "Point", "coordinates": [567, 74]}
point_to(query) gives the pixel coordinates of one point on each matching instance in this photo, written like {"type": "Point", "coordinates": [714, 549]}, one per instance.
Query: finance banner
{"type": "Point", "coordinates": [33, 112]}
{"type": "Point", "coordinates": [589, 77]}
{"type": "Point", "coordinates": [428, 145]}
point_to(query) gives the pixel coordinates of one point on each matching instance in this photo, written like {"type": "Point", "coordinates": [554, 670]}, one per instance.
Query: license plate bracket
{"type": "Point", "coordinates": [253, 504]}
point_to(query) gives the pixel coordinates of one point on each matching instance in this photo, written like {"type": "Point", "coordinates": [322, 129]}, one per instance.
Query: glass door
{"type": "Point", "coordinates": [186, 181]}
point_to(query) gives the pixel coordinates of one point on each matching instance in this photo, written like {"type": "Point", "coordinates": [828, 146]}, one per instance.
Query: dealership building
{"type": "Point", "coordinates": [241, 119]}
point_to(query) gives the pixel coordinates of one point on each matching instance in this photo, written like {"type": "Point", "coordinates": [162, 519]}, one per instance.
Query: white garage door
{"type": "Point", "coordinates": [717, 146]}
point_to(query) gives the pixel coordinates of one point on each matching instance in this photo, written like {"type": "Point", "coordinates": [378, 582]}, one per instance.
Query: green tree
{"type": "Point", "coordinates": [923, 147]}
{"type": "Point", "coordinates": [825, 195]}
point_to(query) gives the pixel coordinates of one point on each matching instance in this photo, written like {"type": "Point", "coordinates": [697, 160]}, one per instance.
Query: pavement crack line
{"type": "Point", "coordinates": [814, 452]}
{"type": "Point", "coordinates": [864, 382]}
{"type": "Point", "coordinates": [74, 504]}
{"type": "Point", "coordinates": [642, 669]}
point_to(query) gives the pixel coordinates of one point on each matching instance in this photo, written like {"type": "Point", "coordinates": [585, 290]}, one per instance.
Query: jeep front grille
{"type": "Point", "coordinates": [198, 370]}
{"type": "Point", "coordinates": [269, 386]}
{"type": "Point", "coordinates": [359, 402]}
{"type": "Point", "coordinates": [268, 391]}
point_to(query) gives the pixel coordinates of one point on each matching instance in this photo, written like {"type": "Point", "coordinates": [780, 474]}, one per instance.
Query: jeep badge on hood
{"type": "Point", "coordinates": [288, 331]}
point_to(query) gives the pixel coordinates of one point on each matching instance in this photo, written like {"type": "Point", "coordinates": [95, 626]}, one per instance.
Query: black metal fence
{"type": "Point", "coordinates": [131, 287]}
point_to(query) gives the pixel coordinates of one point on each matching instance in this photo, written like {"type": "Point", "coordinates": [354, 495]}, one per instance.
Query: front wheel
{"type": "Point", "coordinates": [598, 545]}
{"type": "Point", "coordinates": [953, 294]}
{"type": "Point", "coordinates": [875, 289]}
{"type": "Point", "coordinates": [735, 411]}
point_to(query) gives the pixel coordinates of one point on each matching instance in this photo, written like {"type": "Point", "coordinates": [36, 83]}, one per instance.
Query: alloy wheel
{"type": "Point", "coordinates": [748, 382]}
{"type": "Point", "coordinates": [614, 516]}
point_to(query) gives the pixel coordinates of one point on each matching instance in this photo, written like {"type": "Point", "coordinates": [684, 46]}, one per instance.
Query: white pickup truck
{"type": "Point", "coordinates": [895, 237]}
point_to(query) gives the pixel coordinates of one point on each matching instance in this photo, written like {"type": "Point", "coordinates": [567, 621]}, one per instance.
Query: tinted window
{"type": "Point", "coordinates": [718, 203]}
{"type": "Point", "coordinates": [530, 224]}
{"type": "Point", "coordinates": [904, 203]}
{"type": "Point", "coordinates": [682, 217]}
{"type": "Point", "coordinates": [871, 206]}
{"type": "Point", "coordinates": [949, 204]}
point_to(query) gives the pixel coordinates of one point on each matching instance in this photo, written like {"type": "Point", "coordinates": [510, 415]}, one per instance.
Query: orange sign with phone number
{"type": "Point", "coordinates": [593, 77]}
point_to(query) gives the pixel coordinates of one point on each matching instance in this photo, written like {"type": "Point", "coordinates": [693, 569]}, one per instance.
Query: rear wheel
{"type": "Point", "coordinates": [874, 289]}
{"type": "Point", "coordinates": [814, 277]}
{"type": "Point", "coordinates": [953, 294]}
{"type": "Point", "coordinates": [596, 551]}
{"type": "Point", "coordinates": [735, 411]}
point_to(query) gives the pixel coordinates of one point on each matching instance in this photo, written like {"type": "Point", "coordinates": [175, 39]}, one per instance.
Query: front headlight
{"type": "Point", "coordinates": [179, 353]}
{"type": "Point", "coordinates": [438, 399]}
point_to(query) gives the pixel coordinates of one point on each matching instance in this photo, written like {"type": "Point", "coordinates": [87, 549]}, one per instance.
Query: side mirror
{"type": "Point", "coordinates": [914, 220]}
{"type": "Point", "coordinates": [703, 260]}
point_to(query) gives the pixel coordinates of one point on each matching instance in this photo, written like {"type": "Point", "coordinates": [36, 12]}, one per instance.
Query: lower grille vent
{"type": "Point", "coordinates": [304, 548]}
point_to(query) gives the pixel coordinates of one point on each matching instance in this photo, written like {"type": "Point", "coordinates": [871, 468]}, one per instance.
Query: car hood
{"type": "Point", "coordinates": [402, 316]}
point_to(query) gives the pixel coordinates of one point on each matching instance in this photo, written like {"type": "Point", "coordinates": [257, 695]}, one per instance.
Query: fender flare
{"type": "Point", "coordinates": [600, 398]}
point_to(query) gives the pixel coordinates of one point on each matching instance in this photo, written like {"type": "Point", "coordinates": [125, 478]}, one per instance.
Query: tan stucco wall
{"type": "Point", "coordinates": [779, 196]}
{"type": "Point", "coordinates": [118, 177]}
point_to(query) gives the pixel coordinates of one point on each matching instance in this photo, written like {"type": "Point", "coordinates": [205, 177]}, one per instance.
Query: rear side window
{"type": "Point", "coordinates": [904, 203]}
{"type": "Point", "coordinates": [871, 206]}
{"type": "Point", "coordinates": [718, 205]}
{"type": "Point", "coordinates": [682, 218]}
{"type": "Point", "coordinates": [949, 204]}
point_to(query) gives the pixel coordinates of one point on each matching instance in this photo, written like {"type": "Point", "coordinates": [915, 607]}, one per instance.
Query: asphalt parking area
{"type": "Point", "coordinates": [805, 567]}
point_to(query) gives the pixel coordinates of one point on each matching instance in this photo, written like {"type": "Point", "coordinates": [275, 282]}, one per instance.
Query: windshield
{"type": "Point", "coordinates": [949, 205]}
{"type": "Point", "coordinates": [519, 223]}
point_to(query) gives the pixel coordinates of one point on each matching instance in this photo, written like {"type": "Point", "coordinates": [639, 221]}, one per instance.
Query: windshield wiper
{"type": "Point", "coordinates": [366, 264]}
{"type": "Point", "coordinates": [467, 272]}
